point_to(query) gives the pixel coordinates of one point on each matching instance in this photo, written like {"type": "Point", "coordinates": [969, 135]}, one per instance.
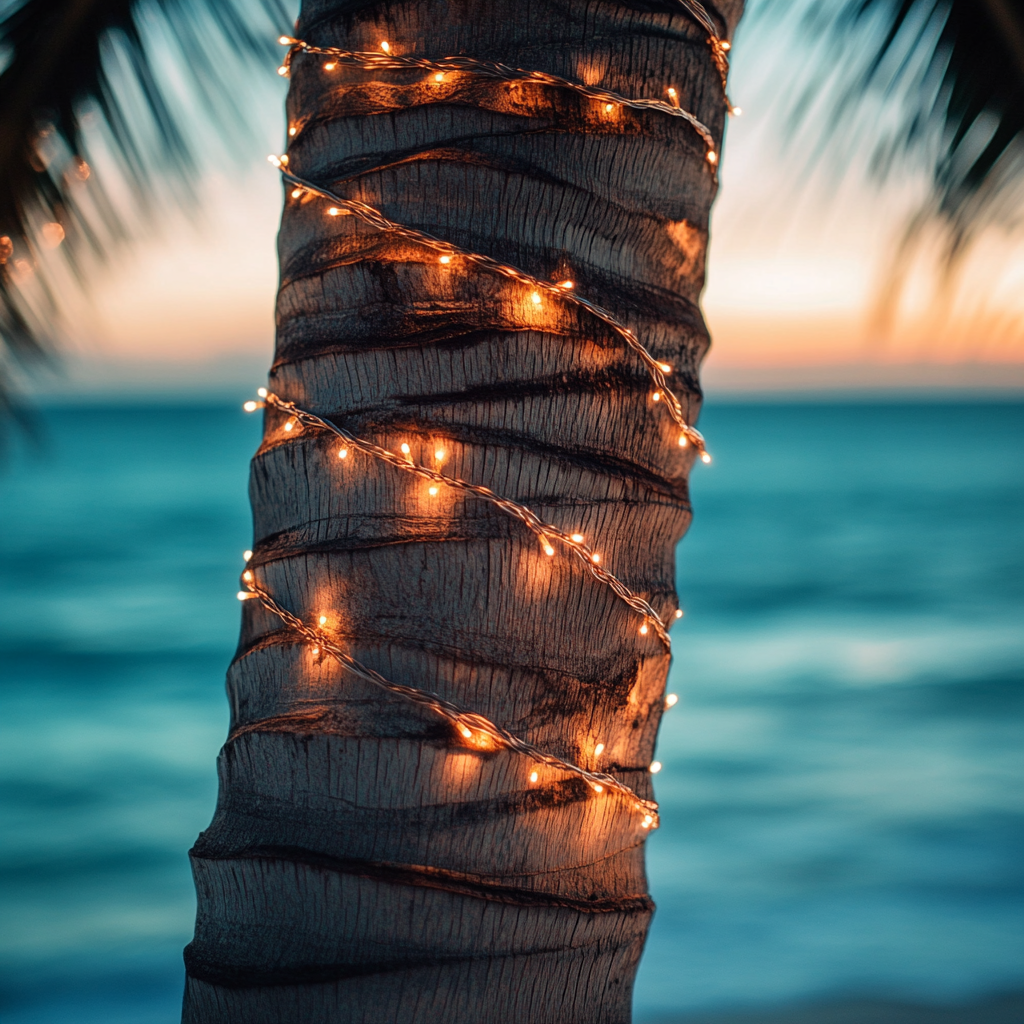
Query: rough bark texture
{"type": "Point", "coordinates": [362, 865]}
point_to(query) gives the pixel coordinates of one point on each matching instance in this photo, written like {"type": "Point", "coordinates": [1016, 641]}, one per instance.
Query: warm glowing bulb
{"type": "Point", "coordinates": [705, 457]}
{"type": "Point", "coordinates": [536, 298]}
{"type": "Point", "coordinates": [274, 160]}
{"type": "Point", "coordinates": [578, 537]}
{"type": "Point", "coordinates": [712, 157]}
{"type": "Point", "coordinates": [679, 613]}
{"type": "Point", "coordinates": [290, 425]}
{"type": "Point", "coordinates": [609, 107]}
{"type": "Point", "coordinates": [598, 788]}
{"type": "Point", "coordinates": [672, 92]}
{"type": "Point", "coordinates": [322, 620]}
{"type": "Point", "coordinates": [342, 453]}
{"type": "Point", "coordinates": [655, 767]}
{"type": "Point", "coordinates": [330, 66]}
{"type": "Point", "coordinates": [643, 629]}
{"type": "Point", "coordinates": [432, 491]}
{"type": "Point", "coordinates": [534, 776]}
{"type": "Point", "coordinates": [246, 555]}
{"type": "Point", "coordinates": [683, 442]}
{"type": "Point", "coordinates": [292, 130]}
{"type": "Point", "coordinates": [725, 46]}
{"type": "Point", "coordinates": [671, 700]}
{"type": "Point", "coordinates": [282, 71]}
{"type": "Point", "coordinates": [244, 595]}
{"type": "Point", "coordinates": [250, 406]}
{"type": "Point", "coordinates": [645, 823]}
{"type": "Point", "coordinates": [567, 284]}
{"type": "Point", "coordinates": [315, 651]}
{"type": "Point", "coordinates": [296, 192]}
{"type": "Point", "coordinates": [439, 77]}
{"type": "Point", "coordinates": [548, 550]}
{"type": "Point", "coordinates": [247, 575]}
{"type": "Point", "coordinates": [284, 40]}
{"type": "Point", "coordinates": [334, 211]}
{"type": "Point", "coordinates": [599, 750]}
{"type": "Point", "coordinates": [665, 367]}
{"type": "Point", "coordinates": [656, 396]}
{"type": "Point", "coordinates": [446, 259]}
{"type": "Point", "coordinates": [284, 159]}
{"type": "Point", "coordinates": [439, 454]}
{"type": "Point", "coordinates": [595, 558]}
{"type": "Point", "coordinates": [468, 733]}
{"type": "Point", "coordinates": [405, 449]}
{"type": "Point", "coordinates": [385, 46]}
{"type": "Point", "coordinates": [736, 111]}
{"type": "Point", "coordinates": [262, 392]}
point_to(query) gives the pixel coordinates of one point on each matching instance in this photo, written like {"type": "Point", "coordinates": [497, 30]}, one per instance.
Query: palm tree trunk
{"type": "Point", "coordinates": [362, 864]}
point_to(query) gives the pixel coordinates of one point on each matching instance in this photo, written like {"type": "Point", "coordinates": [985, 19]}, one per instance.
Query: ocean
{"type": "Point", "coordinates": [841, 796]}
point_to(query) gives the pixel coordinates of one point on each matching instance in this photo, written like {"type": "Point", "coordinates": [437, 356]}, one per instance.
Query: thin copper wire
{"type": "Point", "coordinates": [545, 532]}
{"type": "Point", "coordinates": [374, 61]}
{"type": "Point", "coordinates": [458, 716]}
{"type": "Point", "coordinates": [377, 220]}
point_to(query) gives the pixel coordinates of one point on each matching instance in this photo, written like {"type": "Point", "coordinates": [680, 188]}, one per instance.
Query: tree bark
{"type": "Point", "coordinates": [362, 864]}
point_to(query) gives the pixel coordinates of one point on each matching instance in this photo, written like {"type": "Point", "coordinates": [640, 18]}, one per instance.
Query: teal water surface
{"type": "Point", "coordinates": [841, 798]}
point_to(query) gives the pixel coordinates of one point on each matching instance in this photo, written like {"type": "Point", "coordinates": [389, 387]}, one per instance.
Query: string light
{"type": "Point", "coordinates": [671, 700]}
{"type": "Point", "coordinates": [387, 61]}
{"type": "Point", "coordinates": [719, 47]}
{"type": "Point", "coordinates": [655, 767]}
{"type": "Point", "coordinates": [546, 533]}
{"type": "Point", "coordinates": [376, 219]}
{"type": "Point", "coordinates": [599, 750]}
{"type": "Point", "coordinates": [469, 724]}
{"type": "Point", "coordinates": [246, 555]}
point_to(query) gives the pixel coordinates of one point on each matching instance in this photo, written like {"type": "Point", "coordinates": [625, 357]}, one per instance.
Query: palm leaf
{"type": "Point", "coordinates": [67, 60]}
{"type": "Point", "coordinates": [952, 71]}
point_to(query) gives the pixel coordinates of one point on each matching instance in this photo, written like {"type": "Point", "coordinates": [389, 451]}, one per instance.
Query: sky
{"type": "Point", "coordinates": [795, 264]}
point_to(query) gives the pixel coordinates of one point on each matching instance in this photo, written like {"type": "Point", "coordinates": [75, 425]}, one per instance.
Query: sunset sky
{"type": "Point", "coordinates": [795, 263]}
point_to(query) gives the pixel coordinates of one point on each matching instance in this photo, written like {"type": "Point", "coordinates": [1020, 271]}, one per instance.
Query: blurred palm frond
{"type": "Point", "coordinates": [133, 74]}
{"type": "Point", "coordinates": [945, 81]}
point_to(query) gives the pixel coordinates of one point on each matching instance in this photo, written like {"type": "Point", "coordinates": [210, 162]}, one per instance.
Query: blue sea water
{"type": "Point", "coordinates": [841, 797]}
